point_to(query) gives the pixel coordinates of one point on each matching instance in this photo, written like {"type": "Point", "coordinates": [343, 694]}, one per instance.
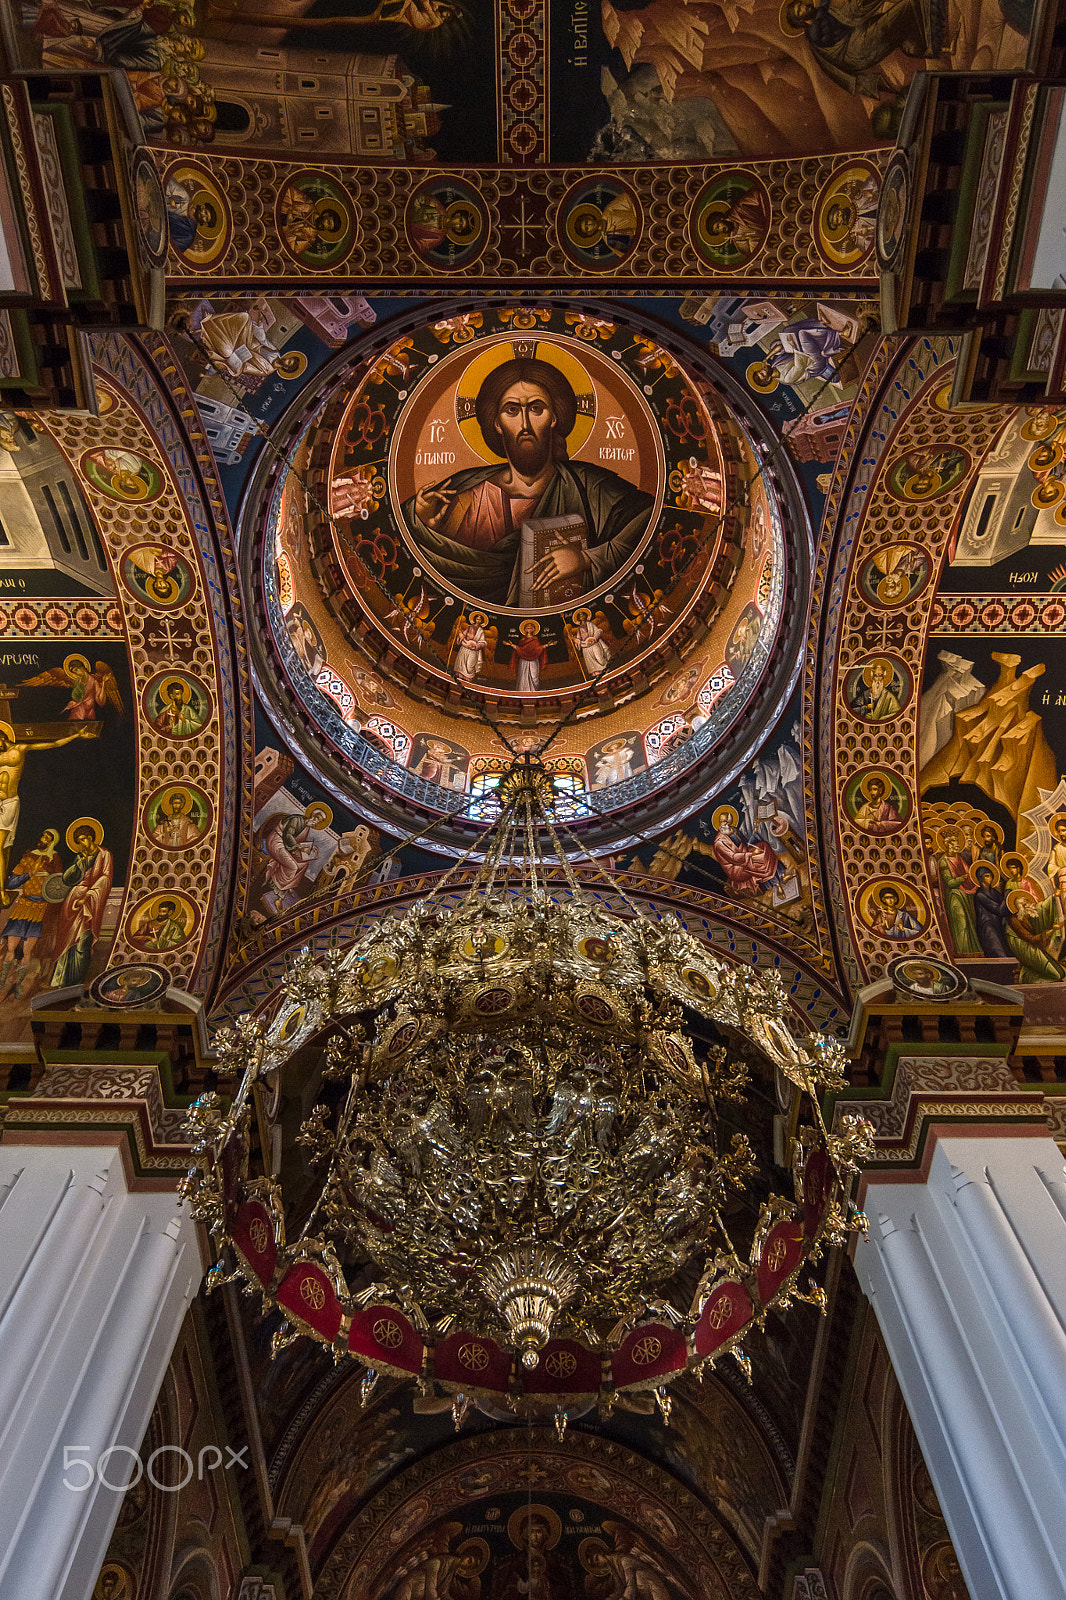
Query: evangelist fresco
{"type": "Point", "coordinates": [750, 845]}
{"type": "Point", "coordinates": [246, 356]}
{"type": "Point", "coordinates": [800, 359]}
{"type": "Point", "coordinates": [303, 843]}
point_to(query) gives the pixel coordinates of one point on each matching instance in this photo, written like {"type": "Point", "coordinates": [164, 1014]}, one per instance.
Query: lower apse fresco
{"type": "Point", "coordinates": [551, 1544]}
{"type": "Point", "coordinates": [992, 763]}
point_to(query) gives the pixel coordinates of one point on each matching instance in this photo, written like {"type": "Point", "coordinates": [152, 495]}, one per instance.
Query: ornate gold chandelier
{"type": "Point", "coordinates": [519, 1136]}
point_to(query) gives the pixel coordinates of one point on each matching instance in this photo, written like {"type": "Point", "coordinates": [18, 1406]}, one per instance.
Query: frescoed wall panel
{"type": "Point", "coordinates": [602, 81]}
{"type": "Point", "coordinates": [235, 220]}
{"type": "Point", "coordinates": [908, 514]}
{"type": "Point", "coordinates": [173, 796]}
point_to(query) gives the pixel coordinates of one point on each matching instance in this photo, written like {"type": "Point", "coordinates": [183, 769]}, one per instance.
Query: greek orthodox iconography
{"type": "Point", "coordinates": [877, 801]}
{"type": "Point", "coordinates": [315, 220]}
{"type": "Point", "coordinates": [176, 704]}
{"type": "Point", "coordinates": [150, 207]}
{"type": "Point", "coordinates": [87, 884]}
{"type": "Point", "coordinates": [478, 527]}
{"type": "Point", "coordinates": [13, 754]}
{"type": "Point", "coordinates": [122, 474]}
{"type": "Point", "coordinates": [157, 575]}
{"type": "Point", "coordinates": [198, 215]}
{"type": "Point", "coordinates": [591, 640]}
{"type": "Point", "coordinates": [892, 212]}
{"type": "Point", "coordinates": [130, 985]}
{"type": "Point", "coordinates": [439, 761]}
{"type": "Point", "coordinates": [447, 224]}
{"type": "Point", "coordinates": [162, 921]}
{"type": "Point", "coordinates": [730, 220]}
{"type": "Point", "coordinates": [600, 224]}
{"type": "Point", "coordinates": [114, 1583]}
{"type": "Point", "coordinates": [525, 475]}
{"type": "Point", "coordinates": [846, 215]}
{"type": "Point", "coordinates": [743, 638]}
{"type": "Point", "coordinates": [88, 687]}
{"type": "Point", "coordinates": [893, 910]}
{"type": "Point", "coordinates": [177, 816]}
{"type": "Point", "coordinates": [927, 979]}
{"type": "Point", "coordinates": [287, 851]}
{"type": "Point", "coordinates": [926, 474]}
{"type": "Point", "coordinates": [306, 639]}
{"type": "Point", "coordinates": [614, 760]}
{"type": "Point", "coordinates": [878, 689]}
{"type": "Point", "coordinates": [895, 574]}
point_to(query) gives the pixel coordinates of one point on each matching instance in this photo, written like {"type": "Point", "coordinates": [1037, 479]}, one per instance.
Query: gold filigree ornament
{"type": "Point", "coordinates": [520, 1158]}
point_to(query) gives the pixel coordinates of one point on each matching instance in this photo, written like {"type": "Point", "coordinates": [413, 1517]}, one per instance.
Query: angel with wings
{"type": "Point", "coordinates": [589, 638]}
{"type": "Point", "coordinates": [87, 689]}
{"type": "Point", "coordinates": [472, 640]}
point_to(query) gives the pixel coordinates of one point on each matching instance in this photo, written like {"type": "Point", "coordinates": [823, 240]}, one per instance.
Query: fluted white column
{"type": "Point", "coordinates": [94, 1283]}
{"type": "Point", "coordinates": [967, 1275]}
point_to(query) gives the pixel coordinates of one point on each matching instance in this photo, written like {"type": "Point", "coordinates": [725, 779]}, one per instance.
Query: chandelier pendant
{"type": "Point", "coordinates": [527, 1190]}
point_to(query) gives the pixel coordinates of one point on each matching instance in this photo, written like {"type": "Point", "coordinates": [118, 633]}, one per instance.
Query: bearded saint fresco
{"type": "Point", "coordinates": [469, 525]}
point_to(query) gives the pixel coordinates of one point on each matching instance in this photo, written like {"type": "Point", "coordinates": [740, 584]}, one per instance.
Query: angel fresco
{"type": "Point", "coordinates": [629, 1571]}
{"type": "Point", "coordinates": [87, 687]}
{"type": "Point", "coordinates": [472, 640]}
{"type": "Point", "coordinates": [589, 639]}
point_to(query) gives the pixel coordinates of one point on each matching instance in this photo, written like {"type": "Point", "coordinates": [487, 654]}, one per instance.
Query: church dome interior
{"type": "Point", "coordinates": [532, 800]}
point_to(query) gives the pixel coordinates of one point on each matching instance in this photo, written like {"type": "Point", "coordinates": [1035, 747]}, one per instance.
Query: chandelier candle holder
{"type": "Point", "coordinates": [519, 1157]}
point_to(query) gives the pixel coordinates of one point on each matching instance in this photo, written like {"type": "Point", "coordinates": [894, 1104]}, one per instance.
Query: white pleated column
{"type": "Point", "coordinates": [94, 1284]}
{"type": "Point", "coordinates": [967, 1275]}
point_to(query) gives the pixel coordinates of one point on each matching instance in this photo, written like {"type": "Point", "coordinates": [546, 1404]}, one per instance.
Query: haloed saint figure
{"type": "Point", "coordinates": [589, 519]}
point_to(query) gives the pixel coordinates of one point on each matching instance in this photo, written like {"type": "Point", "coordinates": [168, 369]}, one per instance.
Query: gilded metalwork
{"type": "Point", "coordinates": [522, 1151]}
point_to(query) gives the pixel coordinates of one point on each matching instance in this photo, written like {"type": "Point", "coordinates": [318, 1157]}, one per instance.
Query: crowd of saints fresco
{"type": "Point", "coordinates": [609, 82]}
{"type": "Point", "coordinates": [992, 753]}
{"type": "Point", "coordinates": [67, 744]}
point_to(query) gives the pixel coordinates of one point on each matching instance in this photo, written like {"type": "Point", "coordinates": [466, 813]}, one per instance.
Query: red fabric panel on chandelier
{"type": "Point", "coordinates": [781, 1254]}
{"type": "Point", "coordinates": [817, 1184]}
{"type": "Point", "coordinates": [565, 1367]}
{"type": "Point", "coordinates": [306, 1292]}
{"type": "Point", "coordinates": [728, 1309]}
{"type": "Point", "coordinates": [473, 1362]}
{"type": "Point", "coordinates": [650, 1351]}
{"type": "Point", "coordinates": [253, 1237]}
{"type": "Point", "coordinates": [385, 1337]}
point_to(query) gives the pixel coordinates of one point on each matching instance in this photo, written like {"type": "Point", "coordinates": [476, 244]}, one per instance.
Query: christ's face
{"type": "Point", "coordinates": [526, 421]}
